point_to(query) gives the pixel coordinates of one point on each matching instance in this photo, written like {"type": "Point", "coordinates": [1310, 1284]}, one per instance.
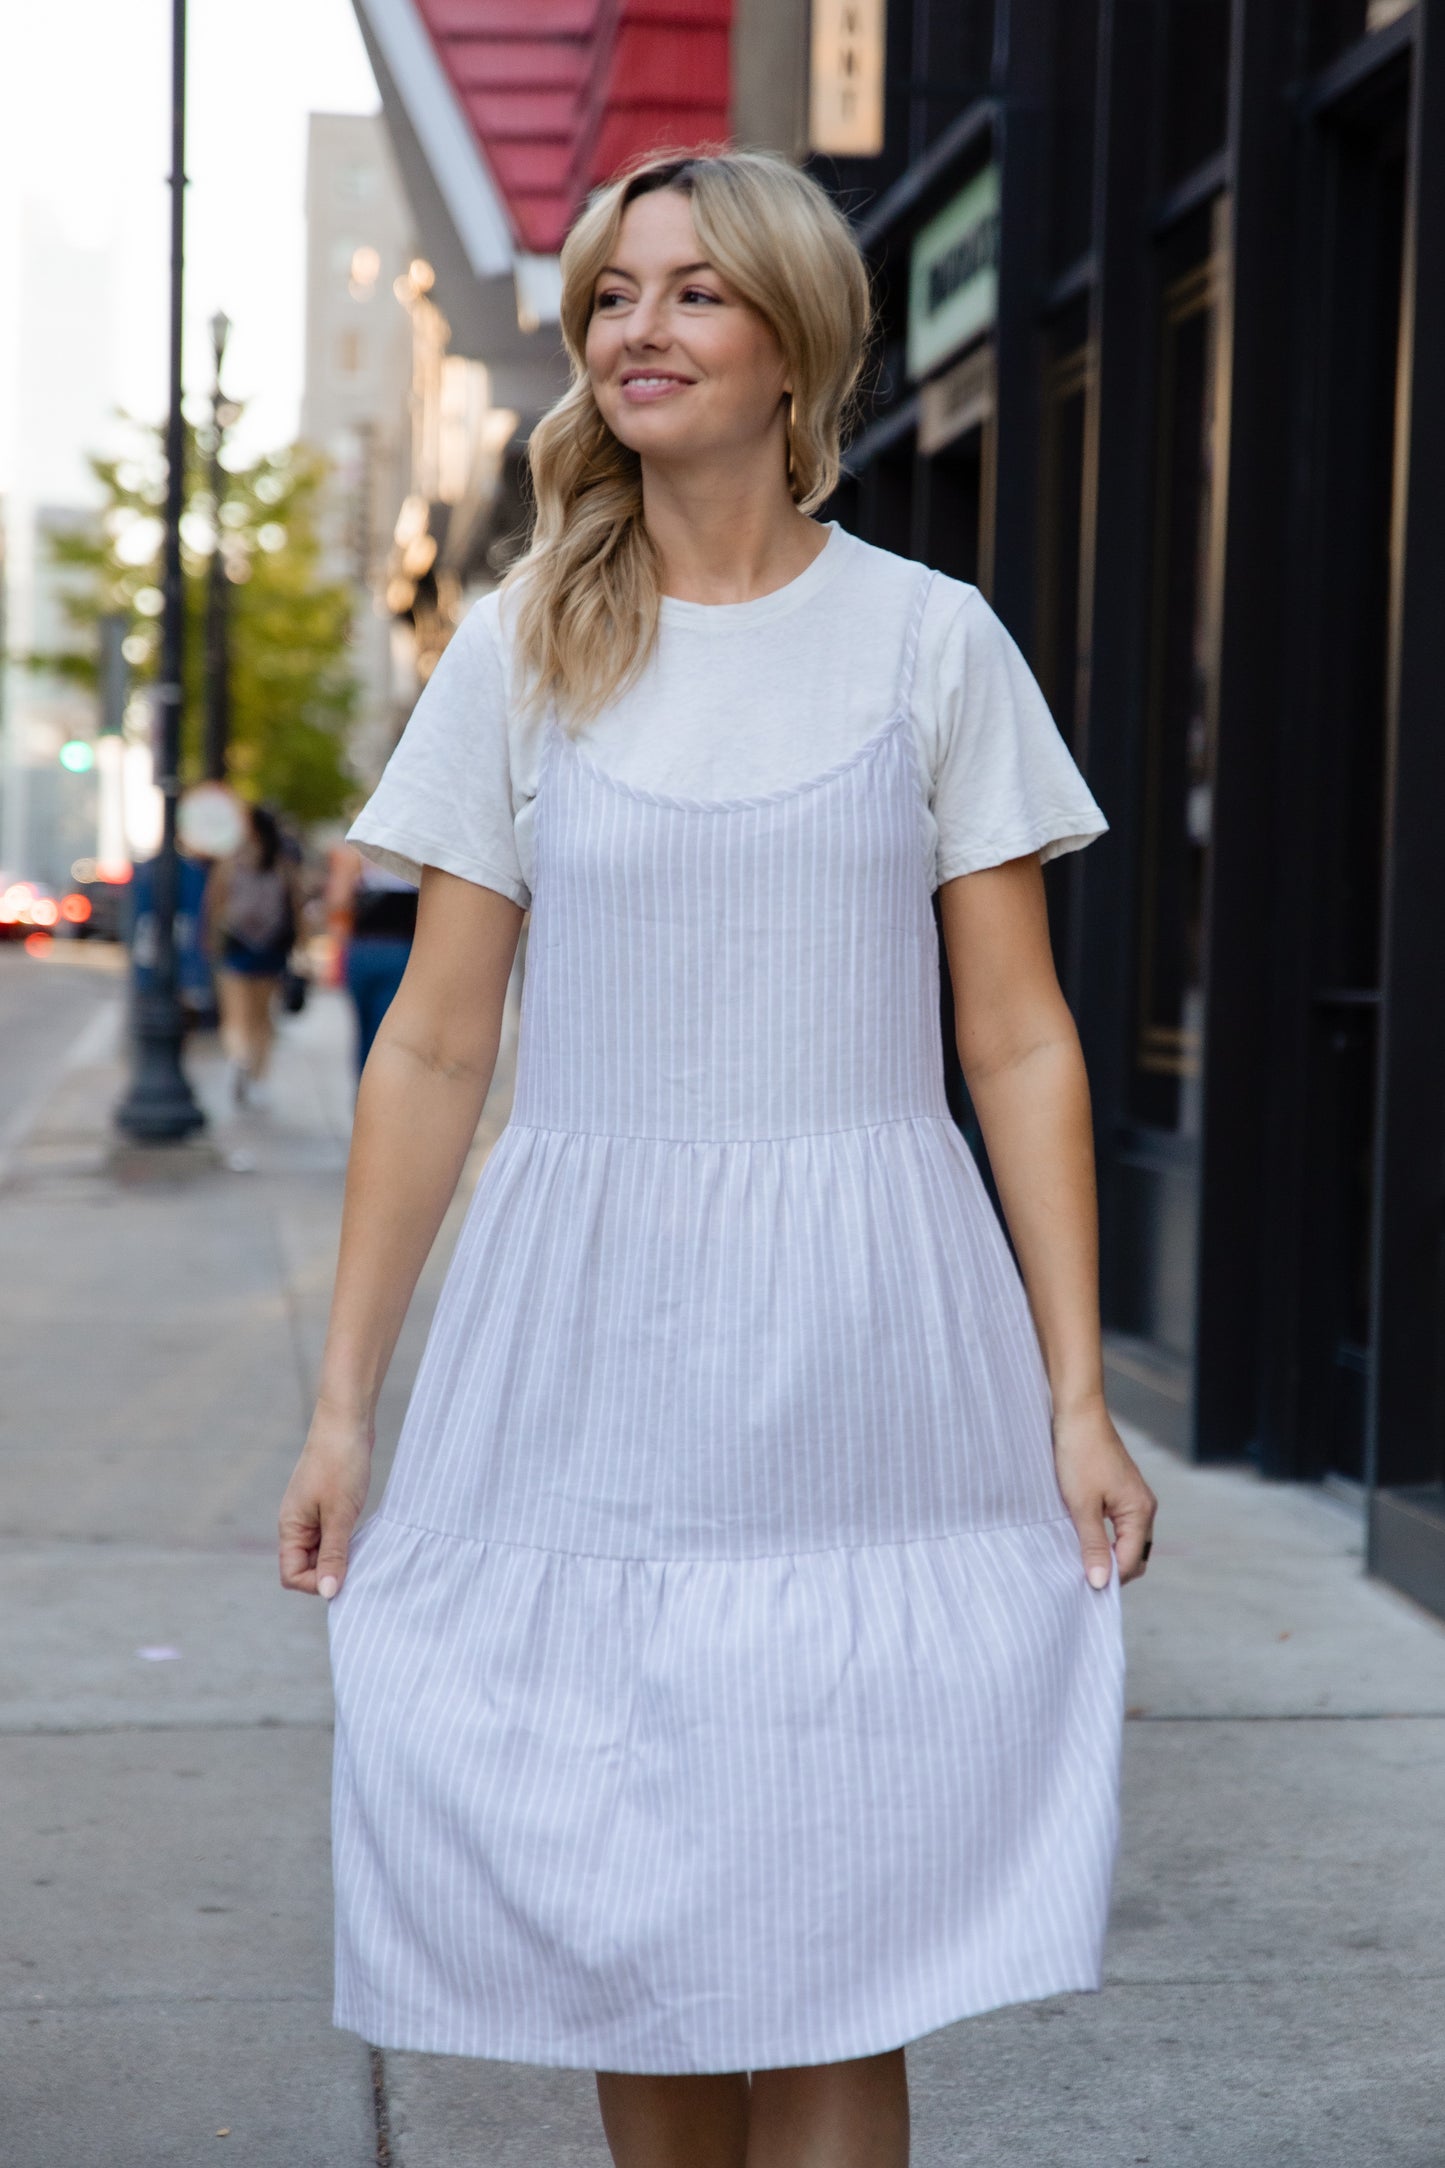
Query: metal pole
{"type": "Point", "coordinates": [218, 661]}
{"type": "Point", "coordinates": [159, 1106]}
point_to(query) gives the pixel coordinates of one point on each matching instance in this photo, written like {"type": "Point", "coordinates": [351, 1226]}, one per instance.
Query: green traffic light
{"type": "Point", "coordinates": [78, 756]}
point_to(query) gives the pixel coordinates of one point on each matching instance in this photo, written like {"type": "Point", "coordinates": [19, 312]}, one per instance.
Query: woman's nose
{"type": "Point", "coordinates": [646, 321]}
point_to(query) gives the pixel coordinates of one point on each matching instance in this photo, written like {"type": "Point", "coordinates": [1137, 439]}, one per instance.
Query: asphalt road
{"type": "Point", "coordinates": [46, 1004]}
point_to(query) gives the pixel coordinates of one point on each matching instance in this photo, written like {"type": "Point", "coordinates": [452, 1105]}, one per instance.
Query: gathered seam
{"type": "Point", "coordinates": [710, 1558]}
{"type": "Point", "coordinates": [778, 1136]}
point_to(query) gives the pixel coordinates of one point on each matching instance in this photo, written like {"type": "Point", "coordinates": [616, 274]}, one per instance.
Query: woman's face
{"type": "Point", "coordinates": [682, 368]}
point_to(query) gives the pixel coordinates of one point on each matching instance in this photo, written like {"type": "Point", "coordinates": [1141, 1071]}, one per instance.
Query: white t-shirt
{"type": "Point", "coordinates": [741, 698]}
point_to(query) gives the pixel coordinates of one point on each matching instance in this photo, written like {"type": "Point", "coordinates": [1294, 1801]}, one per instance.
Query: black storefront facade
{"type": "Point", "coordinates": [1163, 370]}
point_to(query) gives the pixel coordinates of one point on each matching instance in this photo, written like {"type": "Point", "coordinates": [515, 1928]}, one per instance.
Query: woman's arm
{"type": "Point", "coordinates": [1025, 1073]}
{"type": "Point", "coordinates": [343, 872]}
{"type": "Point", "coordinates": [300, 893]}
{"type": "Point", "coordinates": [343, 878]}
{"type": "Point", "coordinates": [213, 898]}
{"type": "Point", "coordinates": [417, 1110]}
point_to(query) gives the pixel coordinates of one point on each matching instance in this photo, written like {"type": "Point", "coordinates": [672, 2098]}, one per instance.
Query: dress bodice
{"type": "Point", "coordinates": [744, 968]}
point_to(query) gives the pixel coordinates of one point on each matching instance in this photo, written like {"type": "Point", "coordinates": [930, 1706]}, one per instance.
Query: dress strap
{"type": "Point", "coordinates": [923, 588]}
{"type": "Point", "coordinates": [552, 736]}
{"type": "Point", "coordinates": [548, 761]}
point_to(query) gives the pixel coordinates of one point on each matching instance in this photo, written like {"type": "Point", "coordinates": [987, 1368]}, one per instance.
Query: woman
{"type": "Point", "coordinates": [372, 915]}
{"type": "Point", "coordinates": [253, 909]}
{"type": "Point", "coordinates": [729, 1686]}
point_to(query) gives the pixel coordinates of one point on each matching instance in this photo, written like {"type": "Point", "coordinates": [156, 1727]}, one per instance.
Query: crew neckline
{"type": "Point", "coordinates": [734, 616]}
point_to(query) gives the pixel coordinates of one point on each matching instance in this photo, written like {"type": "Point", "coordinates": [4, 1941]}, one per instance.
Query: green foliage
{"type": "Point", "coordinates": [292, 690]}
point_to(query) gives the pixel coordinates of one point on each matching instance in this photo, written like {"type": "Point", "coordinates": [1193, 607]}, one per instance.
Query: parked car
{"type": "Point", "coordinates": [26, 907]}
{"type": "Point", "coordinates": [91, 910]}
{"type": "Point", "coordinates": [107, 915]}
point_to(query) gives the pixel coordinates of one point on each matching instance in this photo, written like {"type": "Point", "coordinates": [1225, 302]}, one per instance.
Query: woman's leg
{"type": "Point", "coordinates": [260, 1023]}
{"type": "Point", "coordinates": [831, 2115]}
{"type": "Point", "coordinates": [233, 1024]}
{"type": "Point", "coordinates": [681, 2122]}
{"type": "Point", "coordinates": [824, 2115]}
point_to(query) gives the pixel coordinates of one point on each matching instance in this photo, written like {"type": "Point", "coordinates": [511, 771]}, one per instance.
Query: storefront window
{"type": "Point", "coordinates": [1196, 84]}
{"type": "Point", "coordinates": [1179, 769]}
{"type": "Point", "coordinates": [885, 496]}
{"type": "Point", "coordinates": [952, 58]}
{"type": "Point", "coordinates": [1075, 65]}
{"type": "Point", "coordinates": [1334, 25]}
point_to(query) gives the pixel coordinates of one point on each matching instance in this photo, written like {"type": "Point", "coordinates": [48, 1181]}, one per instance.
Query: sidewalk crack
{"type": "Point", "coordinates": [380, 2109]}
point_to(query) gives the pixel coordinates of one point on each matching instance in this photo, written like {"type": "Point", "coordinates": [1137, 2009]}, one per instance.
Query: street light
{"type": "Point", "coordinates": [218, 661]}
{"type": "Point", "coordinates": [159, 1106]}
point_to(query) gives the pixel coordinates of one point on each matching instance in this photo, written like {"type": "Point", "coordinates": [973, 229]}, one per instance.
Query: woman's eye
{"type": "Point", "coordinates": [699, 293]}
{"type": "Point", "coordinates": [604, 300]}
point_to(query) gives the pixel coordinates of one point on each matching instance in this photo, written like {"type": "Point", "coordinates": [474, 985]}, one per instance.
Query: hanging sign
{"type": "Point", "coordinates": [845, 101]}
{"type": "Point", "coordinates": [953, 274]}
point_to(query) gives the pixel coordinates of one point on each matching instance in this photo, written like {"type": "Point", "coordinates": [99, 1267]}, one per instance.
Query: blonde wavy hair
{"type": "Point", "coordinates": [588, 586]}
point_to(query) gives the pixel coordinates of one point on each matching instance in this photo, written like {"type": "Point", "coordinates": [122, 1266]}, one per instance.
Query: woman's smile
{"type": "Point", "coordinates": [643, 387]}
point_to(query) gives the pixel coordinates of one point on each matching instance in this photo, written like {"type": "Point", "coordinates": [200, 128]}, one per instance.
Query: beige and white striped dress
{"type": "Point", "coordinates": [718, 1686]}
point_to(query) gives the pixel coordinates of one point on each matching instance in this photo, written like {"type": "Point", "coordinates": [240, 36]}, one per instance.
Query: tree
{"type": "Point", "coordinates": [292, 689]}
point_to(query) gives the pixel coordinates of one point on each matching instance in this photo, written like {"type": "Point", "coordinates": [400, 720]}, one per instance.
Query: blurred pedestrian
{"type": "Point", "coordinates": [253, 910]}
{"type": "Point", "coordinates": [729, 1688]}
{"type": "Point", "coordinates": [371, 914]}
{"type": "Point", "coordinates": [195, 986]}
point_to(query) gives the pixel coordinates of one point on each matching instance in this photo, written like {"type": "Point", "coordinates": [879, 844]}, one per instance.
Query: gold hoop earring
{"type": "Point", "coordinates": [788, 425]}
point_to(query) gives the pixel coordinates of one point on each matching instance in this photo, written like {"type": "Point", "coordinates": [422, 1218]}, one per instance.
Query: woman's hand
{"type": "Point", "coordinates": [1100, 1482]}
{"type": "Point", "coordinates": [417, 1111]}
{"type": "Point", "coordinates": [323, 1501]}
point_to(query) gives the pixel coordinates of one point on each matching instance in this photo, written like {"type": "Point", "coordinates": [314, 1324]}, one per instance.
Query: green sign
{"type": "Point", "coordinates": [953, 275]}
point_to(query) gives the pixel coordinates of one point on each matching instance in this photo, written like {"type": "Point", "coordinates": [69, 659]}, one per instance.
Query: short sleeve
{"type": "Point", "coordinates": [1005, 783]}
{"type": "Point", "coordinates": [445, 795]}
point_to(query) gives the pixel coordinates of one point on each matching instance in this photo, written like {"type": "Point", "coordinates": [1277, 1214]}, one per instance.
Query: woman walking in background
{"type": "Point", "coordinates": [729, 1686]}
{"type": "Point", "coordinates": [372, 916]}
{"type": "Point", "coordinates": [253, 908]}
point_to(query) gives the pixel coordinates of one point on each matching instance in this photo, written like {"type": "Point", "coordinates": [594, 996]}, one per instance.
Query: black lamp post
{"type": "Point", "coordinates": [218, 661]}
{"type": "Point", "coordinates": [159, 1106]}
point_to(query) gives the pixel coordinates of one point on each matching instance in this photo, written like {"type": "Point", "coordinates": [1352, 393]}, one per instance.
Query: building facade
{"type": "Point", "coordinates": [1163, 307]}
{"type": "Point", "coordinates": [63, 310]}
{"type": "Point", "coordinates": [355, 401]}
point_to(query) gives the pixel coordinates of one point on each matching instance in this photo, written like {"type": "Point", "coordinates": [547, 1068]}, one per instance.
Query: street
{"type": "Point", "coordinates": [1275, 1969]}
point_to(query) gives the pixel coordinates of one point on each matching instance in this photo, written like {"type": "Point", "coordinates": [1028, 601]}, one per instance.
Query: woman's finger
{"type": "Point", "coordinates": [331, 1557]}
{"type": "Point", "coordinates": [1094, 1543]}
{"type": "Point", "coordinates": [1133, 1518]}
{"type": "Point", "coordinates": [300, 1536]}
{"type": "Point", "coordinates": [315, 1539]}
{"type": "Point", "coordinates": [321, 1508]}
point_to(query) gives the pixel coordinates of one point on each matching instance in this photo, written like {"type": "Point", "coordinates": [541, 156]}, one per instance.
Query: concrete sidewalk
{"type": "Point", "coordinates": [1276, 1964]}
{"type": "Point", "coordinates": [164, 1706]}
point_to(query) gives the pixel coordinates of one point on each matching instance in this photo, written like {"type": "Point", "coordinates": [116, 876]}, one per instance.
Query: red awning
{"type": "Point", "coordinates": [561, 93]}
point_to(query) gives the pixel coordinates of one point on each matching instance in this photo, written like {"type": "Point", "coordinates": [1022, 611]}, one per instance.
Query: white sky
{"type": "Point", "coordinates": [84, 235]}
